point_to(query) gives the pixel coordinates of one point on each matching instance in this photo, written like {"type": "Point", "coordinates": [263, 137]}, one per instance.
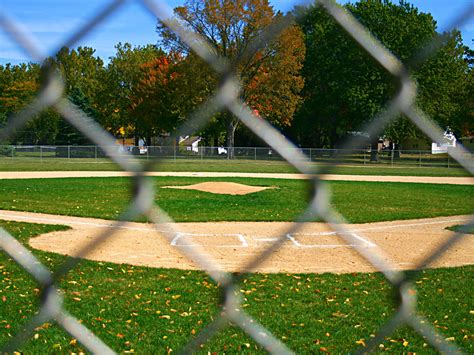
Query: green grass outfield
{"type": "Point", "coordinates": [224, 165]}
{"type": "Point", "coordinates": [149, 310]}
{"type": "Point", "coordinates": [359, 202]}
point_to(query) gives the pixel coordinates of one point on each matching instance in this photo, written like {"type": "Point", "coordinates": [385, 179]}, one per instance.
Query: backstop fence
{"type": "Point", "coordinates": [51, 96]}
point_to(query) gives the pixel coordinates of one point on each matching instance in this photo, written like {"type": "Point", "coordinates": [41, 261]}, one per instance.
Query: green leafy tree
{"type": "Point", "coordinates": [345, 87]}
{"type": "Point", "coordinates": [467, 125]}
{"type": "Point", "coordinates": [83, 74]}
{"type": "Point", "coordinates": [69, 135]}
{"type": "Point", "coordinates": [81, 70]}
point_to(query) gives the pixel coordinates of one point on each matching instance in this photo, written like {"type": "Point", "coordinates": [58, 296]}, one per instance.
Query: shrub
{"type": "Point", "coordinates": [7, 150]}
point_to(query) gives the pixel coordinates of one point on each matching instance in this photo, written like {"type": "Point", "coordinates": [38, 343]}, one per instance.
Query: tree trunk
{"type": "Point", "coordinates": [333, 136]}
{"type": "Point", "coordinates": [396, 149]}
{"type": "Point", "coordinates": [231, 126]}
{"type": "Point", "coordinates": [374, 150]}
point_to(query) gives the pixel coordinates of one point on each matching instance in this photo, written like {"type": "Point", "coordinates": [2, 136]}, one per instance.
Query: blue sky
{"type": "Point", "coordinates": [51, 22]}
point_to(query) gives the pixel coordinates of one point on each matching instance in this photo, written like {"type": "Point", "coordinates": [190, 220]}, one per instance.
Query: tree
{"type": "Point", "coordinates": [122, 74]}
{"type": "Point", "coordinates": [83, 75]}
{"type": "Point", "coordinates": [154, 101]}
{"type": "Point", "coordinates": [20, 85]}
{"type": "Point", "coordinates": [269, 73]}
{"type": "Point", "coordinates": [345, 87]}
{"type": "Point", "coordinates": [467, 126]}
{"type": "Point", "coordinates": [81, 70]}
{"type": "Point", "coordinates": [68, 134]}
{"type": "Point", "coordinates": [443, 83]}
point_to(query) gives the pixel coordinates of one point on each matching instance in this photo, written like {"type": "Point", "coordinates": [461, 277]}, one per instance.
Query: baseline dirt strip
{"type": "Point", "coordinates": [71, 174]}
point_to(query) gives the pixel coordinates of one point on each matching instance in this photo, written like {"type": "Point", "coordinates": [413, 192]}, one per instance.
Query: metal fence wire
{"type": "Point", "coordinates": [51, 95]}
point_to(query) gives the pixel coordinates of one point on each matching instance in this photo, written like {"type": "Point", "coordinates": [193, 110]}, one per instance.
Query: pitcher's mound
{"type": "Point", "coordinates": [228, 188]}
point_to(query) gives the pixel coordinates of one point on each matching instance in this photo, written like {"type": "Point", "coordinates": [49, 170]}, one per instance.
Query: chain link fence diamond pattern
{"type": "Point", "coordinates": [51, 95]}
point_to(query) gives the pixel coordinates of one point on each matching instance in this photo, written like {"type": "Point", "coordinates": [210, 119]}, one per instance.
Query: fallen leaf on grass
{"type": "Point", "coordinates": [339, 315]}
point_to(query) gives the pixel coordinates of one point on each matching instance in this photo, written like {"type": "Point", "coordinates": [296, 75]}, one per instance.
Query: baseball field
{"type": "Point", "coordinates": [315, 293]}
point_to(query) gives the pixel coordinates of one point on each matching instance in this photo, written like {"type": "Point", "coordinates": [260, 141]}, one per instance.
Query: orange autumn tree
{"type": "Point", "coordinates": [19, 85]}
{"type": "Point", "coordinates": [268, 67]}
{"type": "Point", "coordinates": [155, 100]}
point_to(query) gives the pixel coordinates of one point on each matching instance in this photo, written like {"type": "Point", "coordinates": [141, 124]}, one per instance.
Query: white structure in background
{"type": "Point", "coordinates": [194, 145]}
{"type": "Point", "coordinates": [449, 141]}
{"type": "Point", "coordinates": [221, 150]}
{"type": "Point", "coordinates": [190, 142]}
{"type": "Point", "coordinates": [142, 146]}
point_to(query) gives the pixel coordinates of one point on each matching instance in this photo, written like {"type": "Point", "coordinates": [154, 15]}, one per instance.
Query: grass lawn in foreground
{"type": "Point", "coordinates": [224, 165]}
{"type": "Point", "coordinates": [359, 202]}
{"type": "Point", "coordinates": [155, 310]}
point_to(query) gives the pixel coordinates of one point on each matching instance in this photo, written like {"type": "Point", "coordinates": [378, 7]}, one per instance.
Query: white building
{"type": "Point", "coordinates": [449, 140]}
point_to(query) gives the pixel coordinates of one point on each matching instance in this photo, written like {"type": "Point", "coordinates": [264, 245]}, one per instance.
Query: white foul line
{"type": "Point", "coordinates": [391, 227]}
{"type": "Point", "coordinates": [368, 244]}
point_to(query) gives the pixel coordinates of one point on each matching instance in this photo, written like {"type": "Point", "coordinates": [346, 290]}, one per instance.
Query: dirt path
{"type": "Point", "coordinates": [314, 248]}
{"type": "Point", "coordinates": [68, 174]}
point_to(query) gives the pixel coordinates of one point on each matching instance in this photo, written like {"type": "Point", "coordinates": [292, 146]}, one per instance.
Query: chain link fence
{"type": "Point", "coordinates": [51, 95]}
{"type": "Point", "coordinates": [11, 154]}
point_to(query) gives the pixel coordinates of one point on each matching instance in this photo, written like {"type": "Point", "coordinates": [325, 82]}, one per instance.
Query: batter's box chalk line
{"type": "Point", "coordinates": [294, 239]}
{"type": "Point", "coordinates": [182, 240]}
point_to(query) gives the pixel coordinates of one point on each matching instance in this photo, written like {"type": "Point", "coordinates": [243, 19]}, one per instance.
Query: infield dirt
{"type": "Point", "coordinates": [313, 248]}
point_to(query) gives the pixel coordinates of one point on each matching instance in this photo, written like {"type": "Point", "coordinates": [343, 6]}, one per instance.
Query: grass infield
{"type": "Point", "coordinates": [359, 202]}
{"type": "Point", "coordinates": [224, 165]}
{"type": "Point", "coordinates": [145, 310]}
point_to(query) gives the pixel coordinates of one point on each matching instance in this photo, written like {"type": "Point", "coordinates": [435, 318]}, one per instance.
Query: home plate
{"type": "Point", "coordinates": [210, 240]}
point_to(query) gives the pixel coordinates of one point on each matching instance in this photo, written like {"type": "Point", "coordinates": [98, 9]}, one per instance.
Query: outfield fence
{"type": "Point", "coordinates": [51, 96]}
{"type": "Point", "coordinates": [94, 153]}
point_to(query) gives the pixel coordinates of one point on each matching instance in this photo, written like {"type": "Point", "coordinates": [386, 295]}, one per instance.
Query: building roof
{"type": "Point", "coordinates": [189, 140]}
